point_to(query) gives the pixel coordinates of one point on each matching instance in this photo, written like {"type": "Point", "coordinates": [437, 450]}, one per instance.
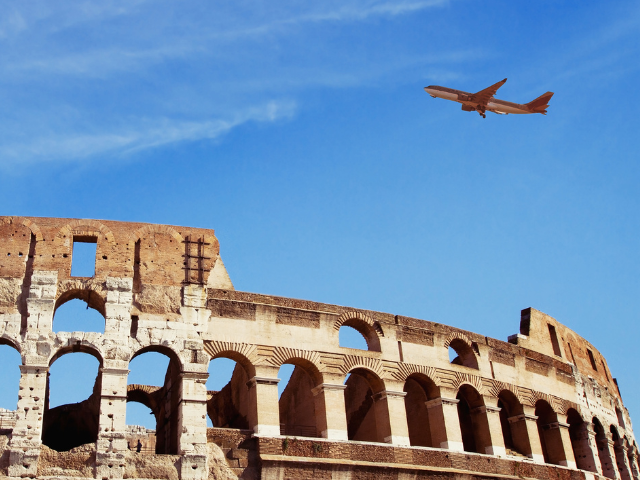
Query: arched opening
{"type": "Point", "coordinates": [79, 311]}
{"type": "Point", "coordinates": [420, 389]}
{"type": "Point", "coordinates": [513, 424]}
{"type": "Point", "coordinates": [549, 432]}
{"type": "Point", "coordinates": [350, 339]}
{"type": "Point", "coordinates": [606, 462]}
{"type": "Point", "coordinates": [366, 417]}
{"type": "Point", "coordinates": [154, 381]}
{"type": "Point", "coordinates": [619, 453]}
{"type": "Point", "coordinates": [464, 354]}
{"type": "Point", "coordinates": [620, 417]}
{"type": "Point", "coordinates": [474, 426]}
{"type": "Point", "coordinates": [10, 362]}
{"type": "Point", "coordinates": [72, 401]}
{"type": "Point", "coordinates": [229, 402]}
{"type": "Point", "coordinates": [579, 435]}
{"type": "Point", "coordinates": [297, 405]}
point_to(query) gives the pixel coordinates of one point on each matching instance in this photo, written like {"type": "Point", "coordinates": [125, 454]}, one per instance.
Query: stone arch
{"type": "Point", "coordinates": [367, 417]}
{"type": "Point", "coordinates": [549, 431]}
{"type": "Point", "coordinates": [602, 440]}
{"type": "Point", "coordinates": [163, 229]}
{"type": "Point", "coordinates": [30, 224]}
{"type": "Point", "coordinates": [308, 360]}
{"type": "Point", "coordinates": [167, 350]}
{"type": "Point", "coordinates": [243, 353]}
{"type": "Point", "coordinates": [463, 348]}
{"type": "Point", "coordinates": [512, 422]}
{"type": "Point", "coordinates": [459, 379]}
{"type": "Point", "coordinates": [12, 342]}
{"type": "Point", "coordinates": [75, 346]}
{"type": "Point", "coordinates": [75, 228]}
{"type": "Point", "coordinates": [421, 420]}
{"type": "Point", "coordinates": [92, 294]}
{"type": "Point", "coordinates": [364, 324]}
{"type": "Point", "coordinates": [405, 370]}
{"type": "Point", "coordinates": [351, 362]}
{"type": "Point", "coordinates": [579, 436]}
{"type": "Point", "coordinates": [472, 415]}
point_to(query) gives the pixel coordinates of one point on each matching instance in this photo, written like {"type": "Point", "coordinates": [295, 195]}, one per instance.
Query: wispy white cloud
{"type": "Point", "coordinates": [141, 134]}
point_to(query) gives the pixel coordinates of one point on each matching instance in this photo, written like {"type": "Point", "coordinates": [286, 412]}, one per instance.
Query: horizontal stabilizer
{"type": "Point", "coordinates": [541, 103]}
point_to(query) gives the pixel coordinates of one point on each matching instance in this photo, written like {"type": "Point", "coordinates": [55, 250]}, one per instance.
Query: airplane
{"type": "Point", "coordinates": [483, 101]}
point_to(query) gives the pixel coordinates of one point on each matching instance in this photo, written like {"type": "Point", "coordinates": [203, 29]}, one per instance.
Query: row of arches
{"type": "Point", "coordinates": [366, 410]}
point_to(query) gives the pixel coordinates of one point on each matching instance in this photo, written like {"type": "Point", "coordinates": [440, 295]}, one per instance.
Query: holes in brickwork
{"type": "Point", "coordinates": [83, 258]}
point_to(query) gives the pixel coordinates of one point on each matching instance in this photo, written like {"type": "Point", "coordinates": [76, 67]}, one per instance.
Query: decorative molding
{"type": "Point", "coordinates": [354, 361]}
{"type": "Point", "coordinates": [405, 370]}
{"type": "Point", "coordinates": [457, 336]}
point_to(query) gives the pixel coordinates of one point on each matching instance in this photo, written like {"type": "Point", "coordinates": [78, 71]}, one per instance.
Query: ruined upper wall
{"type": "Point", "coordinates": [159, 258]}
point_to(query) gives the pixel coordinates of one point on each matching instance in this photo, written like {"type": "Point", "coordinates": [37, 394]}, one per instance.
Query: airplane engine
{"type": "Point", "coordinates": [468, 108]}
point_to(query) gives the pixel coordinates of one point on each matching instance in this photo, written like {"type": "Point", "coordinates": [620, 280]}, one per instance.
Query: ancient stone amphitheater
{"type": "Point", "coordinates": [542, 405]}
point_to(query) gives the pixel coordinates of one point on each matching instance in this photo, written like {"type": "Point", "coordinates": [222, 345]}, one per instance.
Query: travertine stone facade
{"type": "Point", "coordinates": [541, 405]}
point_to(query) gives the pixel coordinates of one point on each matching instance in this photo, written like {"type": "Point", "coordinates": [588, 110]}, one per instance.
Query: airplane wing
{"type": "Point", "coordinates": [483, 96]}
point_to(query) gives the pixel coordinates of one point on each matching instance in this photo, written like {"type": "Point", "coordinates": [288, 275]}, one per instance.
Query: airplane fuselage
{"type": "Point", "coordinates": [466, 99]}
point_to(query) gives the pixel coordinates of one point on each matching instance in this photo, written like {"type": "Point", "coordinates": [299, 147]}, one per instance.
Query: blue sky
{"type": "Point", "coordinates": [300, 132]}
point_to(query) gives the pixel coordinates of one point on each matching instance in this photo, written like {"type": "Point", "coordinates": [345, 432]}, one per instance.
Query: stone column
{"type": "Point", "coordinates": [118, 308]}
{"type": "Point", "coordinates": [633, 461]}
{"type": "Point", "coordinates": [391, 417]}
{"type": "Point", "coordinates": [192, 426]}
{"type": "Point", "coordinates": [586, 449]}
{"type": "Point", "coordinates": [563, 450]}
{"type": "Point", "coordinates": [263, 395]}
{"type": "Point", "coordinates": [331, 419]}
{"type": "Point", "coordinates": [524, 430]}
{"type": "Point", "coordinates": [111, 445]}
{"type": "Point", "coordinates": [445, 424]}
{"type": "Point", "coordinates": [486, 420]}
{"type": "Point", "coordinates": [24, 446]}
{"type": "Point", "coordinates": [41, 303]}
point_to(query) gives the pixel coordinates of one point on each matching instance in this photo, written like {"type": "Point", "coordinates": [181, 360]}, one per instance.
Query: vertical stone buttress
{"type": "Point", "coordinates": [24, 447]}
{"type": "Point", "coordinates": [111, 445]}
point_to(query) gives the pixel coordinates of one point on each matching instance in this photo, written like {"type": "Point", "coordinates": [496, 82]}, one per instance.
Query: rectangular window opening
{"type": "Point", "coordinates": [592, 360]}
{"type": "Point", "coordinates": [554, 340]}
{"type": "Point", "coordinates": [83, 257]}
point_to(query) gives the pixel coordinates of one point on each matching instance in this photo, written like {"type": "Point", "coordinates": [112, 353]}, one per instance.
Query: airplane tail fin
{"type": "Point", "coordinates": [540, 104]}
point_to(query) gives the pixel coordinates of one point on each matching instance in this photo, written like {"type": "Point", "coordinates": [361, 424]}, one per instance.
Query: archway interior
{"type": "Point", "coordinates": [77, 316]}
{"type": "Point", "coordinates": [10, 362]}
{"type": "Point", "coordinates": [550, 436]}
{"type": "Point", "coordinates": [579, 436]}
{"type": "Point", "coordinates": [420, 389]}
{"type": "Point", "coordinates": [463, 355]}
{"type": "Point", "coordinates": [72, 402]}
{"type": "Point", "coordinates": [603, 449]}
{"type": "Point", "coordinates": [473, 421]}
{"type": "Point", "coordinates": [154, 381]}
{"type": "Point", "coordinates": [297, 403]}
{"type": "Point", "coordinates": [514, 431]}
{"type": "Point", "coordinates": [363, 417]}
{"type": "Point", "coordinates": [228, 398]}
{"type": "Point", "coordinates": [349, 337]}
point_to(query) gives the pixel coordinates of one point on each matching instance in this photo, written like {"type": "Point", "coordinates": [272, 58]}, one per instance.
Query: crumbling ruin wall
{"type": "Point", "coordinates": [542, 405]}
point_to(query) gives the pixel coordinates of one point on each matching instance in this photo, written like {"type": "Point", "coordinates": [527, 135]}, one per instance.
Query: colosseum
{"type": "Point", "coordinates": [541, 405]}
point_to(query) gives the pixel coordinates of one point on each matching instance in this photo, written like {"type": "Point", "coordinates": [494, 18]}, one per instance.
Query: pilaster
{"type": "Point", "coordinates": [391, 417]}
{"type": "Point", "coordinates": [330, 409]}
{"type": "Point", "coordinates": [445, 424]}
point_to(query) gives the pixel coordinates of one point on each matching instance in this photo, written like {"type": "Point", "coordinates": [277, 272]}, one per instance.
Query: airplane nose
{"type": "Point", "coordinates": [429, 90]}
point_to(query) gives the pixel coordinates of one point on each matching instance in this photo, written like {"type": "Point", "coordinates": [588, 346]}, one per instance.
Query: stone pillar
{"type": "Point", "coordinates": [331, 419]}
{"type": "Point", "coordinates": [445, 424]}
{"type": "Point", "coordinates": [524, 430]}
{"type": "Point", "coordinates": [24, 446]}
{"type": "Point", "coordinates": [633, 462]}
{"type": "Point", "coordinates": [622, 460]}
{"type": "Point", "coordinates": [41, 303]}
{"type": "Point", "coordinates": [564, 450]}
{"type": "Point", "coordinates": [118, 307]}
{"type": "Point", "coordinates": [263, 395]}
{"type": "Point", "coordinates": [585, 449]}
{"type": "Point", "coordinates": [486, 420]}
{"type": "Point", "coordinates": [193, 426]}
{"type": "Point", "coordinates": [391, 417]}
{"type": "Point", "coordinates": [111, 445]}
